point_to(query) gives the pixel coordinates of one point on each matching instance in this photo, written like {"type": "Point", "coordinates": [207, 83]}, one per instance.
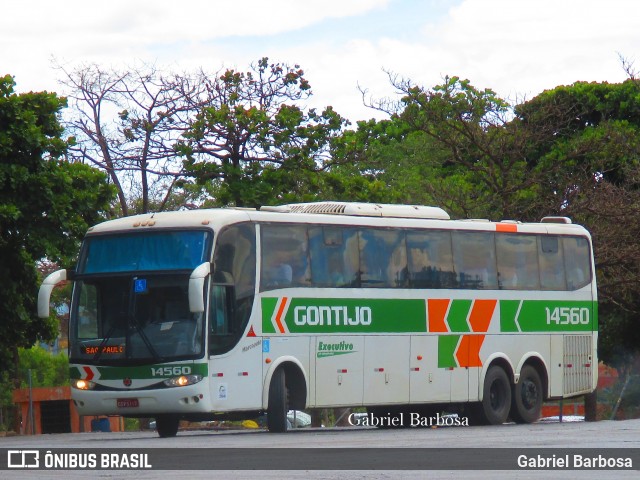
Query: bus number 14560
{"type": "Point", "coordinates": [169, 371]}
{"type": "Point", "coordinates": [568, 316]}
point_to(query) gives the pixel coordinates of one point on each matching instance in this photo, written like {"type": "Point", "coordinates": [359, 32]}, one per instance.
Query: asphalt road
{"type": "Point", "coordinates": [448, 443]}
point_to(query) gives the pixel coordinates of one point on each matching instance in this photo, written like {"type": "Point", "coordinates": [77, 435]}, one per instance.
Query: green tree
{"type": "Point", "coordinates": [585, 130]}
{"type": "Point", "coordinates": [47, 369]}
{"type": "Point", "coordinates": [46, 205]}
{"type": "Point", "coordinates": [474, 158]}
{"type": "Point", "coordinates": [396, 163]}
{"type": "Point", "coordinates": [253, 144]}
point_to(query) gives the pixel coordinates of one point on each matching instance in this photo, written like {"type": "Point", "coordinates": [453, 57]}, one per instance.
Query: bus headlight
{"type": "Point", "coordinates": [83, 384]}
{"type": "Point", "coordinates": [182, 380]}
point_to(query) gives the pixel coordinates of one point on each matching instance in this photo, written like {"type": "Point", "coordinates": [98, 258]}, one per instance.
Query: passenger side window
{"type": "Point", "coordinates": [577, 262]}
{"type": "Point", "coordinates": [383, 258]}
{"type": "Point", "coordinates": [334, 256]}
{"type": "Point", "coordinates": [285, 257]}
{"type": "Point", "coordinates": [517, 257]}
{"type": "Point", "coordinates": [430, 260]}
{"type": "Point", "coordinates": [474, 260]}
{"type": "Point", "coordinates": [551, 264]}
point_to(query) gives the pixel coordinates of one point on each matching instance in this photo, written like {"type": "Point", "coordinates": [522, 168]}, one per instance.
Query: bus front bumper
{"type": "Point", "coordinates": [178, 400]}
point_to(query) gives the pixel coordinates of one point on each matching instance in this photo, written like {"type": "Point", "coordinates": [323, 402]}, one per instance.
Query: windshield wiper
{"type": "Point", "coordinates": [157, 358]}
{"type": "Point", "coordinates": [132, 321]}
{"type": "Point", "coordinates": [104, 341]}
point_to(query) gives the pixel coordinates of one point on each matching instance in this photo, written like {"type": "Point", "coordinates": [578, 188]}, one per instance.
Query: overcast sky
{"type": "Point", "coordinates": [516, 47]}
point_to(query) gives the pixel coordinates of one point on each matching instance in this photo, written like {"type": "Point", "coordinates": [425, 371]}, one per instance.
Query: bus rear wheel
{"type": "Point", "coordinates": [496, 400]}
{"type": "Point", "coordinates": [527, 396]}
{"type": "Point", "coordinates": [278, 403]}
{"type": "Point", "coordinates": [167, 425]}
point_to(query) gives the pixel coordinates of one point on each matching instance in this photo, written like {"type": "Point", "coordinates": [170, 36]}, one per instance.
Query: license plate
{"type": "Point", "coordinates": [127, 402]}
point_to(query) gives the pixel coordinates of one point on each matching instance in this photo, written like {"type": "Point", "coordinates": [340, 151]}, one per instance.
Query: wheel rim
{"type": "Point", "coordinates": [529, 394]}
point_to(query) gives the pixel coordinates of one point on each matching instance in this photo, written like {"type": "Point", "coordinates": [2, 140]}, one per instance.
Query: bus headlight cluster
{"type": "Point", "coordinates": [83, 384]}
{"type": "Point", "coordinates": [182, 380]}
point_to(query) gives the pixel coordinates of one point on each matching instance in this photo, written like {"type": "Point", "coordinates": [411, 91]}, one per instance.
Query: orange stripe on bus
{"type": "Point", "coordinates": [283, 304]}
{"type": "Point", "coordinates": [475, 343]}
{"type": "Point", "coordinates": [468, 352]}
{"type": "Point", "coordinates": [437, 312]}
{"type": "Point", "coordinates": [462, 352]}
{"type": "Point", "coordinates": [506, 227]}
{"type": "Point", "coordinates": [481, 314]}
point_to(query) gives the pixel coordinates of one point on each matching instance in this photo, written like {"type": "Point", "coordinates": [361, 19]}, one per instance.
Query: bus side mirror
{"type": "Point", "coordinates": [196, 287]}
{"type": "Point", "coordinates": [44, 294]}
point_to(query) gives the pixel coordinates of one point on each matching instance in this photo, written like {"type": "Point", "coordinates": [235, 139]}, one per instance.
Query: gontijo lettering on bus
{"type": "Point", "coordinates": [286, 315]}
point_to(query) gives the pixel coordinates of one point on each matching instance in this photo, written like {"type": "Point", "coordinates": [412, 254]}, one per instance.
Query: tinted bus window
{"type": "Point", "coordinates": [285, 257]}
{"type": "Point", "coordinates": [474, 258]}
{"type": "Point", "coordinates": [430, 260]}
{"type": "Point", "coordinates": [145, 251]}
{"type": "Point", "coordinates": [383, 258]}
{"type": "Point", "coordinates": [551, 264]}
{"type": "Point", "coordinates": [334, 256]}
{"type": "Point", "coordinates": [577, 262]}
{"type": "Point", "coordinates": [235, 259]}
{"type": "Point", "coordinates": [517, 257]}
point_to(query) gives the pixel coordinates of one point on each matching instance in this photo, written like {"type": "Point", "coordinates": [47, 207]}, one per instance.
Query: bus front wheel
{"type": "Point", "coordinates": [496, 399]}
{"type": "Point", "coordinates": [167, 425]}
{"type": "Point", "coordinates": [527, 396]}
{"type": "Point", "coordinates": [278, 400]}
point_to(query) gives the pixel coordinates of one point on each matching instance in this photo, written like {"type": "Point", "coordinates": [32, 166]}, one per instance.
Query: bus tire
{"type": "Point", "coordinates": [277, 408]}
{"type": "Point", "coordinates": [496, 400]}
{"type": "Point", "coordinates": [527, 398]}
{"type": "Point", "coordinates": [167, 425]}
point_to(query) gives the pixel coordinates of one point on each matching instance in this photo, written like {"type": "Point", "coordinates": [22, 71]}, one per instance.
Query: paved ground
{"type": "Point", "coordinates": [598, 435]}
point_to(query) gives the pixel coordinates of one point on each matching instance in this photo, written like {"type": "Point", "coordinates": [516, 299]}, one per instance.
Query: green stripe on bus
{"type": "Point", "coordinates": [347, 315]}
{"type": "Point", "coordinates": [547, 316]}
{"type": "Point", "coordinates": [446, 351]}
{"type": "Point", "coordinates": [508, 311]}
{"type": "Point", "coordinates": [268, 308]}
{"type": "Point", "coordinates": [143, 372]}
{"type": "Point", "coordinates": [457, 317]}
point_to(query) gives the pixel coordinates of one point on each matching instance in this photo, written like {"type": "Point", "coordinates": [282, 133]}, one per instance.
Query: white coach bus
{"type": "Point", "coordinates": [229, 313]}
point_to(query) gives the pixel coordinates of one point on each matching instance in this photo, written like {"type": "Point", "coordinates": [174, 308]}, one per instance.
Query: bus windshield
{"type": "Point", "coordinates": [131, 299]}
{"type": "Point", "coordinates": [148, 251]}
{"type": "Point", "coordinates": [134, 319]}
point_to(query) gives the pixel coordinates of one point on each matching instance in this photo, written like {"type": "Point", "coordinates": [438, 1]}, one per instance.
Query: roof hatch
{"type": "Point", "coordinates": [363, 210]}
